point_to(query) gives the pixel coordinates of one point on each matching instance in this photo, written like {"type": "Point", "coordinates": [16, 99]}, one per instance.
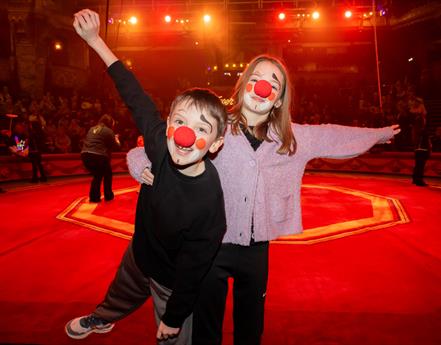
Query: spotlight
{"type": "Point", "coordinates": [58, 46]}
{"type": "Point", "coordinates": [133, 20]}
{"type": "Point", "coordinates": [315, 15]}
{"type": "Point", "coordinates": [410, 59]}
{"type": "Point", "coordinates": [282, 16]}
{"type": "Point", "coordinates": [207, 18]}
{"type": "Point", "coordinates": [348, 14]}
{"type": "Point", "coordinates": [167, 19]}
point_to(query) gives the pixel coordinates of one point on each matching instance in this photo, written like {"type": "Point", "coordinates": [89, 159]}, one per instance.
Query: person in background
{"type": "Point", "coordinates": [36, 147]}
{"type": "Point", "coordinates": [422, 153]}
{"type": "Point", "coordinates": [100, 141]}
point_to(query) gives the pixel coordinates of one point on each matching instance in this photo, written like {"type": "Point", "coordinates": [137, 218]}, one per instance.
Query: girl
{"type": "Point", "coordinates": [261, 167]}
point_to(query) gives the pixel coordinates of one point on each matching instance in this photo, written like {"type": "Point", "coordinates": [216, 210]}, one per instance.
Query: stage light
{"type": "Point", "coordinates": [410, 59]}
{"type": "Point", "coordinates": [234, 65]}
{"type": "Point", "coordinates": [241, 65]}
{"type": "Point", "coordinates": [282, 16]}
{"type": "Point", "coordinates": [133, 20]}
{"type": "Point", "coordinates": [215, 68]}
{"type": "Point", "coordinates": [167, 19]}
{"type": "Point", "coordinates": [227, 65]}
{"type": "Point", "coordinates": [348, 14]}
{"type": "Point", "coordinates": [207, 18]}
{"type": "Point", "coordinates": [58, 46]}
{"type": "Point", "coordinates": [315, 15]}
{"type": "Point", "coordinates": [196, 43]}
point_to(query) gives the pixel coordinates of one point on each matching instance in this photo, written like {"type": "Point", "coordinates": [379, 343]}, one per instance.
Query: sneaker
{"type": "Point", "coordinates": [81, 327]}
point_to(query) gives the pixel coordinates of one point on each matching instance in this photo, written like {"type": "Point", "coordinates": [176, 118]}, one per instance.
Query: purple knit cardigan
{"type": "Point", "coordinates": [263, 185]}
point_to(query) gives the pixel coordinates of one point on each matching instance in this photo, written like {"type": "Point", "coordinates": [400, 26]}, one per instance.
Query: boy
{"type": "Point", "coordinates": [180, 220]}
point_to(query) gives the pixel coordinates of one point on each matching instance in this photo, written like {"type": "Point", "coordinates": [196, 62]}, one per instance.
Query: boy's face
{"type": "Point", "coordinates": [263, 89]}
{"type": "Point", "coordinates": [201, 124]}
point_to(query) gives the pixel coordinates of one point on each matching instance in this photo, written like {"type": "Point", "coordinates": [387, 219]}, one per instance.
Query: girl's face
{"type": "Point", "coordinates": [263, 89]}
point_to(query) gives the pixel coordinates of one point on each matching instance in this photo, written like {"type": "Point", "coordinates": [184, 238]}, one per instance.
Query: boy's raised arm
{"type": "Point", "coordinates": [142, 108]}
{"type": "Point", "coordinates": [87, 26]}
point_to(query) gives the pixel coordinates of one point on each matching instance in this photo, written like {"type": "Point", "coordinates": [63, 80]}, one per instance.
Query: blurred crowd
{"type": "Point", "coordinates": [356, 105]}
{"type": "Point", "coordinates": [62, 121]}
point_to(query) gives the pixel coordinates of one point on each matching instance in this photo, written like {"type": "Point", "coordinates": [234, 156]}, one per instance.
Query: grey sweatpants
{"type": "Point", "coordinates": [130, 289]}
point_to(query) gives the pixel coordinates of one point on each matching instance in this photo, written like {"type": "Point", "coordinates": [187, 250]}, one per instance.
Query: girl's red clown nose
{"type": "Point", "coordinates": [184, 136]}
{"type": "Point", "coordinates": [262, 88]}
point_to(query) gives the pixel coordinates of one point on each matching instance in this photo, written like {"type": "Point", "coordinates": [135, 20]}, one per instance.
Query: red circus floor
{"type": "Point", "coordinates": [367, 269]}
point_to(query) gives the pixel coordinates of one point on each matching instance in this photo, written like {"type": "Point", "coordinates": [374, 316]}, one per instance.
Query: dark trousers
{"type": "Point", "coordinates": [99, 167]}
{"type": "Point", "coordinates": [35, 158]}
{"type": "Point", "coordinates": [248, 266]}
{"type": "Point", "coordinates": [130, 289]}
{"type": "Point", "coordinates": [421, 157]}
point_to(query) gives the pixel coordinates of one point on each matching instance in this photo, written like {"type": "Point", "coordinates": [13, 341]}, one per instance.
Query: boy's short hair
{"type": "Point", "coordinates": [204, 99]}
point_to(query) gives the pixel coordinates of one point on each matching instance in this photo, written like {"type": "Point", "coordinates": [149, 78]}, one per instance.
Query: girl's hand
{"type": "Point", "coordinates": [147, 177]}
{"type": "Point", "coordinates": [396, 129]}
{"type": "Point", "coordinates": [87, 25]}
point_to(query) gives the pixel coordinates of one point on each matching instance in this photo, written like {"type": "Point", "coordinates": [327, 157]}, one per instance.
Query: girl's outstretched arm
{"type": "Point", "coordinates": [87, 26]}
{"type": "Point", "coordinates": [335, 141]}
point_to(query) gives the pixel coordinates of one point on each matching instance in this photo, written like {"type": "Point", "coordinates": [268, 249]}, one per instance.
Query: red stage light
{"type": "Point", "coordinates": [315, 15]}
{"type": "Point", "coordinates": [282, 16]}
{"type": "Point", "coordinates": [348, 14]}
{"type": "Point", "coordinates": [167, 19]}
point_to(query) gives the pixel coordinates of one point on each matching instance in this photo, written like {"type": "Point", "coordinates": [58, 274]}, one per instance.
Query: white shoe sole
{"type": "Point", "coordinates": [84, 335]}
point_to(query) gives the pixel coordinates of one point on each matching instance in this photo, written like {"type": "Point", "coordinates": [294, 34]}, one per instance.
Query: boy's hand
{"type": "Point", "coordinates": [87, 25]}
{"type": "Point", "coordinates": [165, 332]}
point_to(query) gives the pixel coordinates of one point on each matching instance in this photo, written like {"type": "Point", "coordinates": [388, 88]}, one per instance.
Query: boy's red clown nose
{"type": "Point", "coordinates": [262, 88]}
{"type": "Point", "coordinates": [184, 136]}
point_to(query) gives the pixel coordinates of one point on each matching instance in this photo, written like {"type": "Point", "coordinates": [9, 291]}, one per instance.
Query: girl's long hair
{"type": "Point", "coordinates": [279, 119]}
